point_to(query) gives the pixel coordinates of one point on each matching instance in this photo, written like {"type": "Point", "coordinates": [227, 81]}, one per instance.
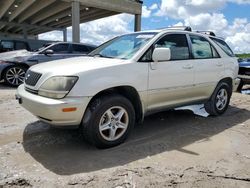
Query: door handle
{"type": "Point", "coordinates": [188, 66]}
{"type": "Point", "coordinates": [219, 64]}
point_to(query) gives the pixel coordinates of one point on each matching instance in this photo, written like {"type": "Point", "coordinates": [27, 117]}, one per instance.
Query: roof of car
{"type": "Point", "coordinates": [183, 29]}
{"type": "Point", "coordinates": [13, 40]}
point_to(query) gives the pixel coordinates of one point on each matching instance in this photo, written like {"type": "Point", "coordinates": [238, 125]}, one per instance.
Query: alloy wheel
{"type": "Point", "coordinates": [221, 99]}
{"type": "Point", "coordinates": [113, 123]}
{"type": "Point", "coordinates": [15, 75]}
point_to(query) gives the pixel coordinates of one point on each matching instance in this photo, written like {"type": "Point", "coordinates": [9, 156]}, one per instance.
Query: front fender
{"type": "Point", "coordinates": [3, 66]}
{"type": "Point", "coordinates": [92, 82]}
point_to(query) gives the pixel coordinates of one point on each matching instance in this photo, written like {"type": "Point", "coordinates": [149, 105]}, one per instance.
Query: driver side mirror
{"type": "Point", "coordinates": [49, 52]}
{"type": "Point", "coordinates": [161, 54]}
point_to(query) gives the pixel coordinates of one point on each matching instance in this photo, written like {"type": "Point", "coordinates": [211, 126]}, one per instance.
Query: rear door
{"type": "Point", "coordinates": [208, 66]}
{"type": "Point", "coordinates": [21, 45]}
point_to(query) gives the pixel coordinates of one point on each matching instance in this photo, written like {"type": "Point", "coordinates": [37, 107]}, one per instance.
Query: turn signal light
{"type": "Point", "coordinates": [69, 109]}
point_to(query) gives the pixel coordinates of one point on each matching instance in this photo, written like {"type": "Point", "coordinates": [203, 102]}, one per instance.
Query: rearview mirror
{"type": "Point", "coordinates": [161, 54]}
{"type": "Point", "coordinates": [49, 52]}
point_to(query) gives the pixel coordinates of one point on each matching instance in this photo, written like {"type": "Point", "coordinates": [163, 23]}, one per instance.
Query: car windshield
{"type": "Point", "coordinates": [123, 47]}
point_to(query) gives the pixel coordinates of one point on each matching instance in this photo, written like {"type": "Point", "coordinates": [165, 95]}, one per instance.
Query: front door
{"type": "Point", "coordinates": [60, 51]}
{"type": "Point", "coordinates": [171, 82]}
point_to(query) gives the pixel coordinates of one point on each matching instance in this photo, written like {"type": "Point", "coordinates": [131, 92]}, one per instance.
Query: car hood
{"type": "Point", "coordinates": [73, 66]}
{"type": "Point", "coordinates": [244, 64]}
{"type": "Point", "coordinates": [16, 56]}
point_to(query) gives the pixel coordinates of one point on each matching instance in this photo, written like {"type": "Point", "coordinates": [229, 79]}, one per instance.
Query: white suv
{"type": "Point", "coordinates": [129, 77]}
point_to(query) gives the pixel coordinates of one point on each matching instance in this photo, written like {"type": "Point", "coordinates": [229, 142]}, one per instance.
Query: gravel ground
{"type": "Point", "coordinates": [170, 149]}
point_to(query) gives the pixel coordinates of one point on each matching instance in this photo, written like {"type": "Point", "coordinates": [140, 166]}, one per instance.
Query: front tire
{"type": "Point", "coordinates": [14, 75]}
{"type": "Point", "coordinates": [219, 101]}
{"type": "Point", "coordinates": [108, 121]}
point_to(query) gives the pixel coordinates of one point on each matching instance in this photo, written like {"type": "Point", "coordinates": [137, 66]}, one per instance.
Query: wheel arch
{"type": "Point", "coordinates": [11, 65]}
{"type": "Point", "coordinates": [128, 92]}
{"type": "Point", "coordinates": [227, 80]}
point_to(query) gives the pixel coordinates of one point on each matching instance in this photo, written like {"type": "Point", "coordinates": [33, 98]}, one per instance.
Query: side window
{"type": "Point", "coordinates": [79, 49]}
{"type": "Point", "coordinates": [178, 45]}
{"type": "Point", "coordinates": [91, 48]}
{"type": "Point", "coordinates": [202, 49]}
{"type": "Point", "coordinates": [60, 48]}
{"type": "Point", "coordinates": [20, 45]}
{"type": "Point", "coordinates": [223, 45]}
{"type": "Point", "coordinates": [7, 44]}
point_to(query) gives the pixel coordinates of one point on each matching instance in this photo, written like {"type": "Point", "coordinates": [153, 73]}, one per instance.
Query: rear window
{"type": "Point", "coordinates": [7, 44]}
{"type": "Point", "coordinates": [20, 45]}
{"type": "Point", "coordinates": [223, 45]}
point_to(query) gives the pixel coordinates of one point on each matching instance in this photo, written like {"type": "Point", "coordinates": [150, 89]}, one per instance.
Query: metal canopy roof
{"type": "Point", "coordinates": [32, 17]}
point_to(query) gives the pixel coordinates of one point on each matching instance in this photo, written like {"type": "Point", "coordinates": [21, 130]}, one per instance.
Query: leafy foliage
{"type": "Point", "coordinates": [243, 56]}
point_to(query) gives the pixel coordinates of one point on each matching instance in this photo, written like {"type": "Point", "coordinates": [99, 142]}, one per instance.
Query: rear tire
{"type": "Point", "coordinates": [108, 121]}
{"type": "Point", "coordinates": [14, 75]}
{"type": "Point", "coordinates": [219, 101]}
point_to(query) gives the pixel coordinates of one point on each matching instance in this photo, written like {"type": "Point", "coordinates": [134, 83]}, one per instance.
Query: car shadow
{"type": "Point", "coordinates": [246, 90]}
{"type": "Point", "coordinates": [6, 87]}
{"type": "Point", "coordinates": [63, 151]}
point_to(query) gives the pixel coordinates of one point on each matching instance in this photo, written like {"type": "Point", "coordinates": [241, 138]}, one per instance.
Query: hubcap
{"type": "Point", "coordinates": [221, 99]}
{"type": "Point", "coordinates": [113, 124]}
{"type": "Point", "coordinates": [15, 76]}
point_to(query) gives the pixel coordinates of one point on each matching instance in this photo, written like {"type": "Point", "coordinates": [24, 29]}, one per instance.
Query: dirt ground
{"type": "Point", "coordinates": [170, 149]}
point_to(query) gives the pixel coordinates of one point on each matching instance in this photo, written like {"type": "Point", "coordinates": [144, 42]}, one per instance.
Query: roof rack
{"type": "Point", "coordinates": [211, 33]}
{"type": "Point", "coordinates": [183, 28]}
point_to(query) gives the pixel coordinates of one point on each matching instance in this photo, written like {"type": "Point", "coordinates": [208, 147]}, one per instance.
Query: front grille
{"type": "Point", "coordinates": [31, 78]}
{"type": "Point", "coordinates": [31, 90]}
{"type": "Point", "coordinates": [244, 71]}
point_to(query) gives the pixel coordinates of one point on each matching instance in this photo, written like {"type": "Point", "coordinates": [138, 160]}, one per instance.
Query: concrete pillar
{"type": "Point", "coordinates": [24, 33]}
{"type": "Point", "coordinates": [64, 35]}
{"type": "Point", "coordinates": [75, 21]}
{"type": "Point", "coordinates": [137, 26]}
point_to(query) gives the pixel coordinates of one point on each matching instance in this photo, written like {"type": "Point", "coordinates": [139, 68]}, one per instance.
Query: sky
{"type": "Point", "coordinates": [229, 19]}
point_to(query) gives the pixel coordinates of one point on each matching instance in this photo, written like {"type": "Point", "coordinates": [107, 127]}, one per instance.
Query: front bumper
{"type": "Point", "coordinates": [245, 78]}
{"type": "Point", "coordinates": [236, 83]}
{"type": "Point", "coordinates": [50, 110]}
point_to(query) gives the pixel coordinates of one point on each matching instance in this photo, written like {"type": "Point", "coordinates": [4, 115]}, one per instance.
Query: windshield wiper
{"type": "Point", "coordinates": [100, 55]}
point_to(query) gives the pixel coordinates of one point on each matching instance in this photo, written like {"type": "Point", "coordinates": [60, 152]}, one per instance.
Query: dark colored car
{"type": "Point", "coordinates": [244, 73]}
{"type": "Point", "coordinates": [13, 65]}
{"type": "Point", "coordinates": [11, 45]}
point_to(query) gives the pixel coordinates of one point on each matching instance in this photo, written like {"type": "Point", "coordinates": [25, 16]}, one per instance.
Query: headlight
{"type": "Point", "coordinates": [57, 87]}
{"type": "Point", "coordinates": [2, 62]}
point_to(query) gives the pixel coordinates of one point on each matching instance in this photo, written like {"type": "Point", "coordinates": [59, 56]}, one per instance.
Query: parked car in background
{"type": "Point", "coordinates": [129, 77]}
{"type": "Point", "coordinates": [11, 45]}
{"type": "Point", "coordinates": [13, 65]}
{"type": "Point", "coordinates": [244, 73]}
